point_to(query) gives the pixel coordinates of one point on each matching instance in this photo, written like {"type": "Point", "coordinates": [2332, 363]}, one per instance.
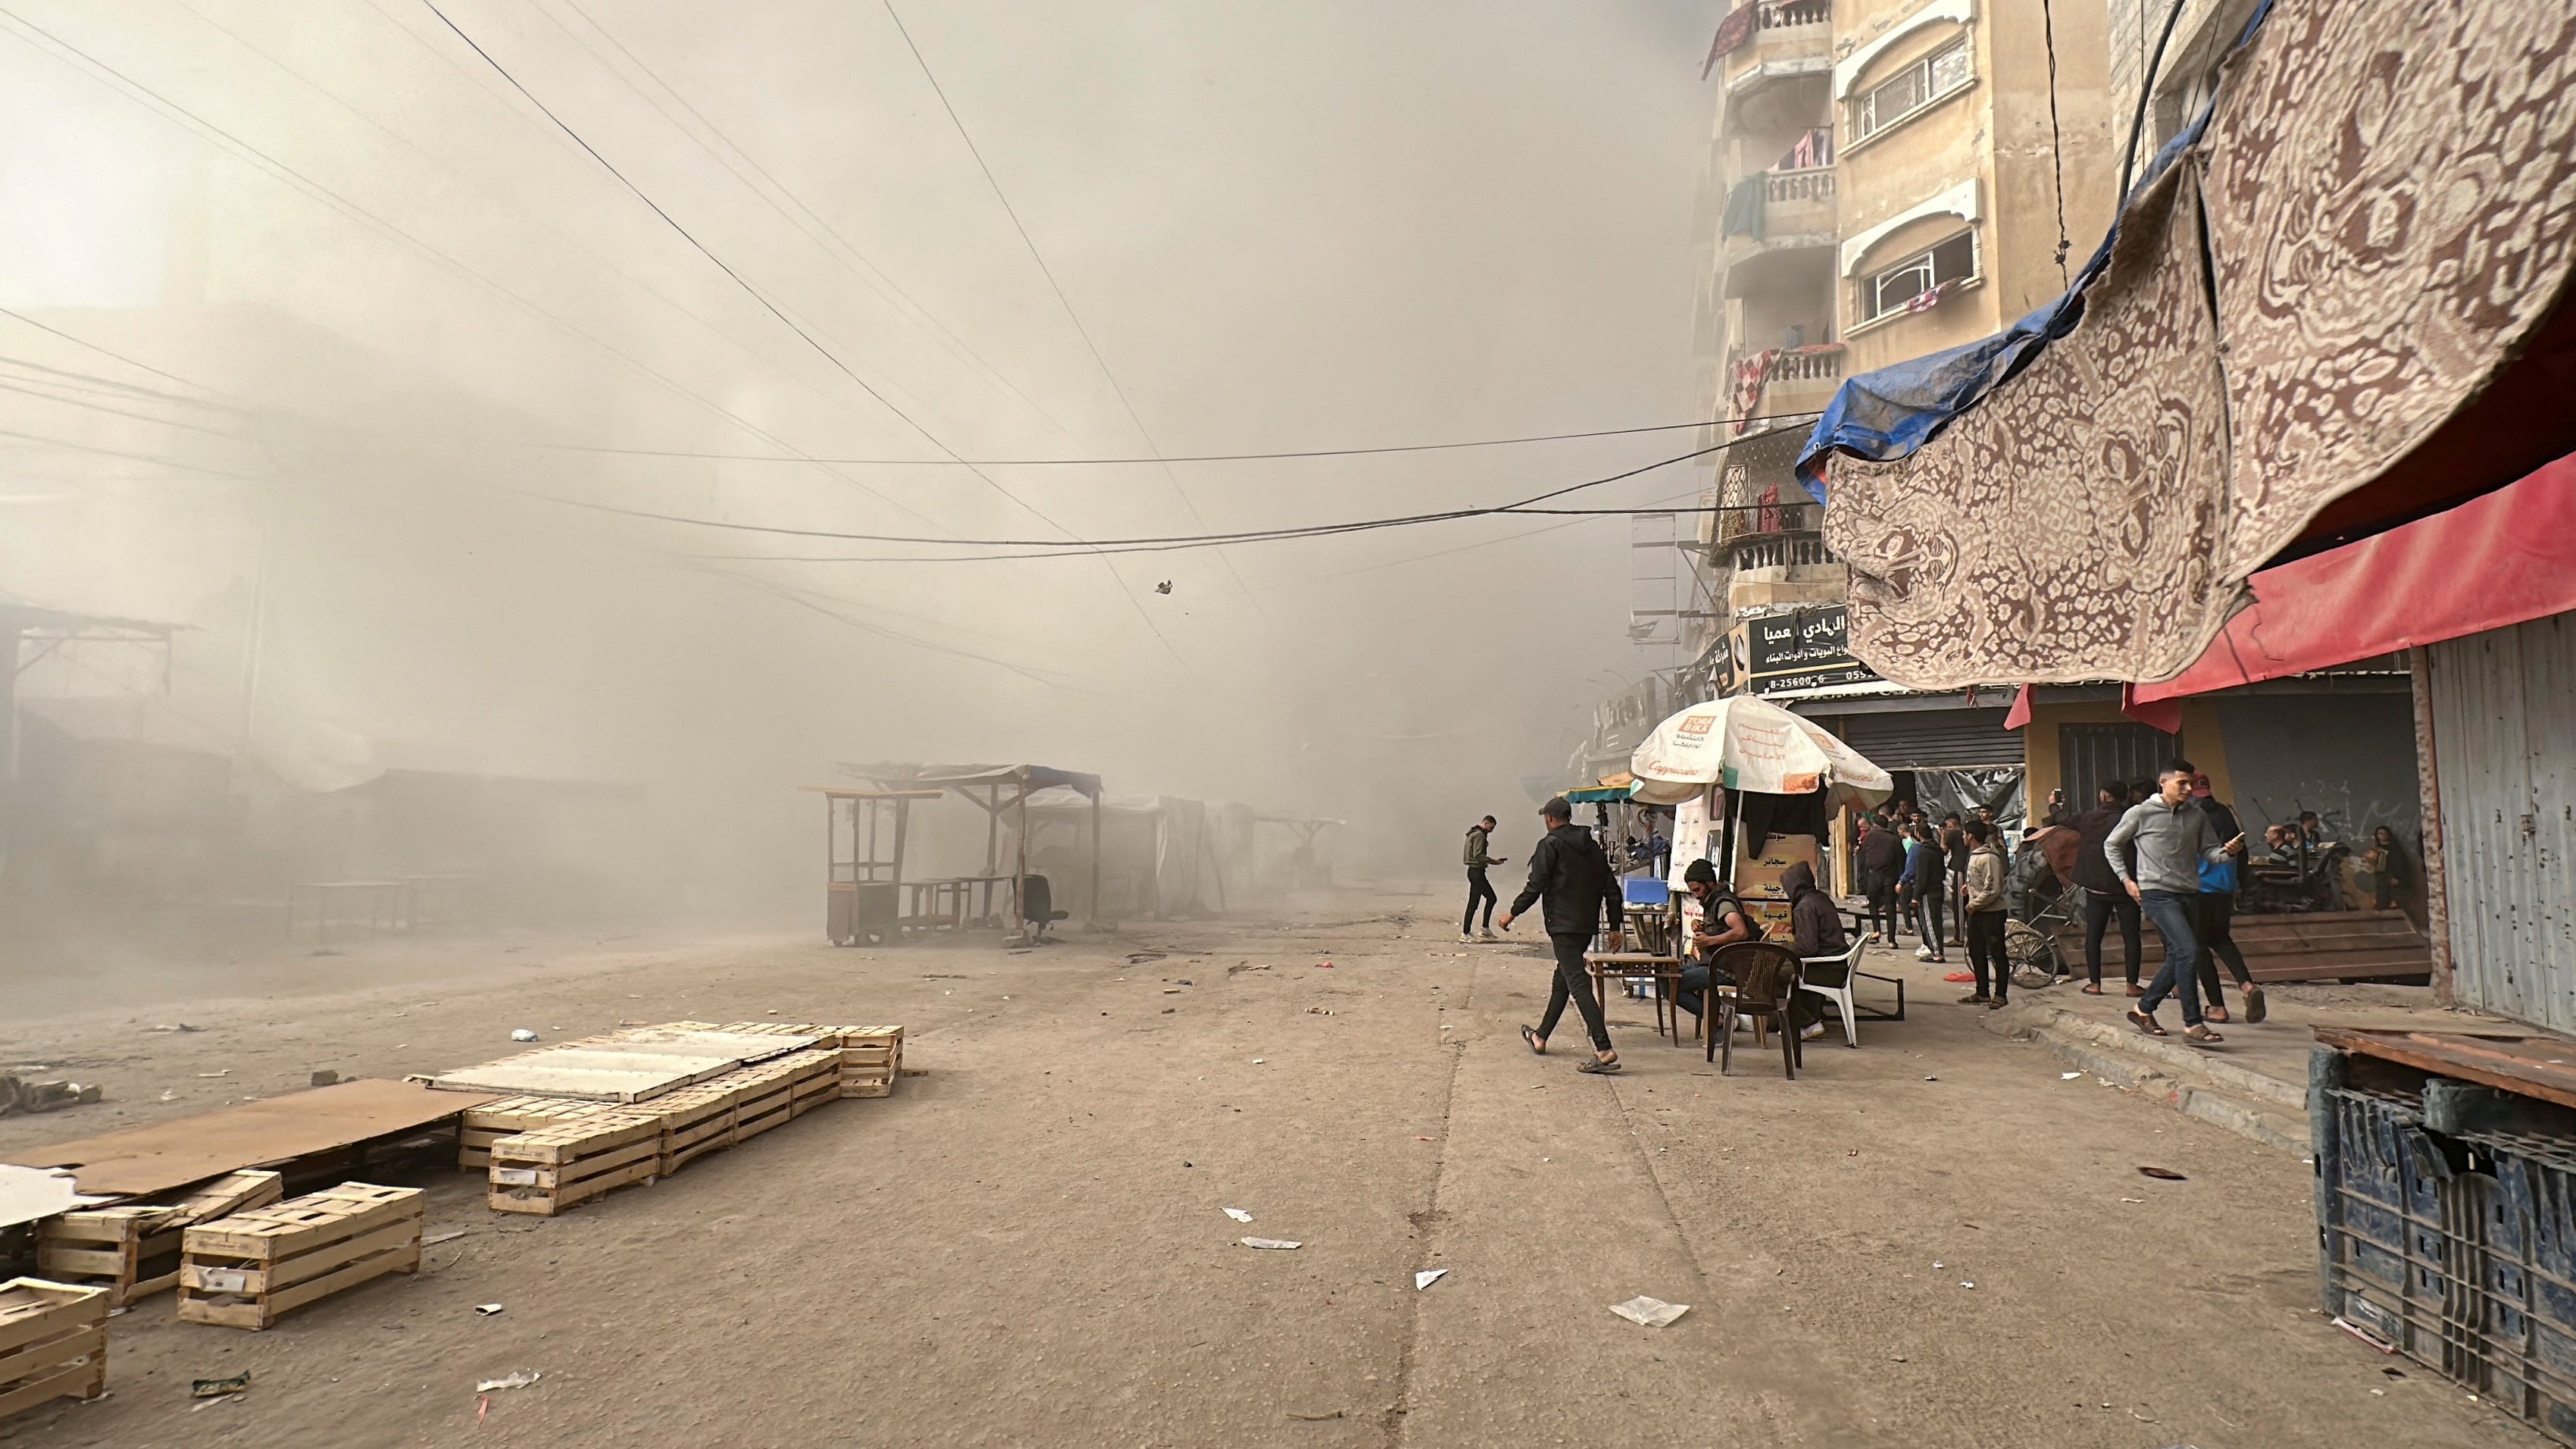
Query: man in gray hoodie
{"type": "Point", "coordinates": [2172, 836]}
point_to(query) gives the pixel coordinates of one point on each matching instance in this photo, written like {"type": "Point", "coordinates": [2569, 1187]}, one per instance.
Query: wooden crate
{"type": "Point", "coordinates": [132, 1249]}
{"type": "Point", "coordinates": [53, 1342]}
{"type": "Point", "coordinates": [246, 1270]}
{"type": "Point", "coordinates": [552, 1168]}
{"type": "Point", "coordinates": [482, 1126]}
{"type": "Point", "coordinates": [871, 1056]}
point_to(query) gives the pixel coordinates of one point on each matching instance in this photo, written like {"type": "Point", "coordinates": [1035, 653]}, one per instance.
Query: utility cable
{"type": "Point", "coordinates": [2056, 141]}
{"type": "Point", "coordinates": [83, 341]}
{"type": "Point", "coordinates": [1166, 542]}
{"type": "Point", "coordinates": [792, 325]}
{"type": "Point", "coordinates": [1174, 458]}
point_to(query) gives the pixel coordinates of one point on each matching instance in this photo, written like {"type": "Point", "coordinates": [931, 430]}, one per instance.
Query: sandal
{"type": "Point", "coordinates": [1537, 1043]}
{"type": "Point", "coordinates": [2093, 988]}
{"type": "Point", "coordinates": [2200, 1035]}
{"type": "Point", "coordinates": [2214, 1013]}
{"type": "Point", "coordinates": [1979, 999]}
{"type": "Point", "coordinates": [1598, 1067]}
{"type": "Point", "coordinates": [2146, 1023]}
{"type": "Point", "coordinates": [2254, 1008]}
{"type": "Point", "coordinates": [2136, 990]}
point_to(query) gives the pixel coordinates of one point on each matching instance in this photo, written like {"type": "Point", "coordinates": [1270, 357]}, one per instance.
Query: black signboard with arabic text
{"type": "Point", "coordinates": [1802, 649]}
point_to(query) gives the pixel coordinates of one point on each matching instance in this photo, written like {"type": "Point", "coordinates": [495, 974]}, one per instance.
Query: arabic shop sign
{"type": "Point", "coordinates": [1802, 649]}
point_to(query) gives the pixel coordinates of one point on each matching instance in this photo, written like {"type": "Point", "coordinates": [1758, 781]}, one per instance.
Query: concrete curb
{"type": "Point", "coordinates": [2245, 1102]}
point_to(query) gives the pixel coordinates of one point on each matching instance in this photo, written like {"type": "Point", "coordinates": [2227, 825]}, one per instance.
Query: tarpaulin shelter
{"type": "Point", "coordinates": [1152, 855]}
{"type": "Point", "coordinates": [2334, 303]}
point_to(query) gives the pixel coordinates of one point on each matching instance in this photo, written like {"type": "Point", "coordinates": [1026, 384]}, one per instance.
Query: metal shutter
{"type": "Point", "coordinates": [1931, 739]}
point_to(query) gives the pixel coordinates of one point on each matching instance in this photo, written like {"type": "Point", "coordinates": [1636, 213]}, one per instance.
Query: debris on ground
{"type": "Point", "coordinates": [518, 1380]}
{"type": "Point", "coordinates": [487, 1309]}
{"type": "Point", "coordinates": [326, 1078]}
{"type": "Point", "coordinates": [1275, 1243]}
{"type": "Point", "coordinates": [1238, 1214]}
{"type": "Point", "coordinates": [169, 1094]}
{"type": "Point", "coordinates": [434, 1239]}
{"type": "Point", "coordinates": [176, 1026]}
{"type": "Point", "coordinates": [2162, 1174]}
{"type": "Point", "coordinates": [1427, 1277]}
{"type": "Point", "coordinates": [21, 1094]}
{"type": "Point", "coordinates": [1315, 1418]}
{"type": "Point", "coordinates": [523, 1034]}
{"type": "Point", "coordinates": [2068, 1076]}
{"type": "Point", "coordinates": [217, 1388]}
{"type": "Point", "coordinates": [1323, 965]}
{"type": "Point", "coordinates": [226, 1072]}
{"type": "Point", "coordinates": [1648, 1312]}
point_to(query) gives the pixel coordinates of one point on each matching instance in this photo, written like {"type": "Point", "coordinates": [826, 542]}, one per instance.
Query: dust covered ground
{"type": "Point", "coordinates": [1025, 1246]}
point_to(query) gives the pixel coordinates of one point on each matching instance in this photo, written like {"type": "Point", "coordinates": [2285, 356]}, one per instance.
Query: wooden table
{"type": "Point", "coordinates": [1665, 971]}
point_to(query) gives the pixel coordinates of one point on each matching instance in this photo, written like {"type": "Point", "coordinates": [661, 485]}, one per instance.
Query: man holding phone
{"type": "Point", "coordinates": [2172, 836]}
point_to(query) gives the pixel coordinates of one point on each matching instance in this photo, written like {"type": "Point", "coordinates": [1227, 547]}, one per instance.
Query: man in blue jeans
{"type": "Point", "coordinates": [2171, 836]}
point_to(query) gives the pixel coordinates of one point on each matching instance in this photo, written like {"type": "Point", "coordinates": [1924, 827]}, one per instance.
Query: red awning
{"type": "Point", "coordinates": [2494, 561]}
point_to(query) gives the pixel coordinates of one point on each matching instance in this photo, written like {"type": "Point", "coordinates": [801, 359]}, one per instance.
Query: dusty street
{"type": "Point", "coordinates": [1935, 1240]}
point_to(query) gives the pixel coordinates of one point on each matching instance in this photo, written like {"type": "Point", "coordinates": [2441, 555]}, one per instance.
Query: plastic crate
{"type": "Point", "coordinates": [2457, 1250]}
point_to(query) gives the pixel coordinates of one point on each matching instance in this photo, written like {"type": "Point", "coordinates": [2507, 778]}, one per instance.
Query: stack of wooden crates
{"type": "Point", "coordinates": [131, 1250]}
{"type": "Point", "coordinates": [53, 1343]}
{"type": "Point", "coordinates": [546, 1154]}
{"type": "Point", "coordinates": [245, 1270]}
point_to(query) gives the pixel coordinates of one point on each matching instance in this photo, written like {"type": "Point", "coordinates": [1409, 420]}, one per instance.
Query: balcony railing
{"type": "Point", "coordinates": [1797, 188]}
{"type": "Point", "coordinates": [1766, 551]}
{"type": "Point", "coordinates": [1789, 14]}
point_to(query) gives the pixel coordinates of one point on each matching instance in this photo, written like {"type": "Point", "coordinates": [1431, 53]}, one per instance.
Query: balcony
{"type": "Point", "coordinates": [1795, 380]}
{"type": "Point", "coordinates": [1799, 203]}
{"type": "Point", "coordinates": [1789, 39]}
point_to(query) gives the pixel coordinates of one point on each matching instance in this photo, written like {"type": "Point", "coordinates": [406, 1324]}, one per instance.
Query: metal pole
{"type": "Point", "coordinates": [1095, 859]}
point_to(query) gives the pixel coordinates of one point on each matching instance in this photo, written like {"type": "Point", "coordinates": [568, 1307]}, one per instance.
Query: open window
{"type": "Point", "coordinates": [1904, 285]}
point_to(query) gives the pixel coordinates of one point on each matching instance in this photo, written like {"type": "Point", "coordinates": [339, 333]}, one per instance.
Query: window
{"type": "Point", "coordinates": [1911, 89]}
{"type": "Point", "coordinates": [1891, 290]}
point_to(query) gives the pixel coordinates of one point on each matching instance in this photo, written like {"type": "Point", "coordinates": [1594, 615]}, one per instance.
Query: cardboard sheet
{"type": "Point", "coordinates": [166, 1156]}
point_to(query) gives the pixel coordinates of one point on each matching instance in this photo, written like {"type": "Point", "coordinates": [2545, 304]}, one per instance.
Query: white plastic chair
{"type": "Point", "coordinates": [1841, 995]}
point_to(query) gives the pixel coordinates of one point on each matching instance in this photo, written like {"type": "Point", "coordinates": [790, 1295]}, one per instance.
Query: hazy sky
{"type": "Point", "coordinates": [1284, 227]}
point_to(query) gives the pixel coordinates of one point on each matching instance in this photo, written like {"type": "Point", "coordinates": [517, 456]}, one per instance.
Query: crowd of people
{"type": "Point", "coordinates": [2165, 853]}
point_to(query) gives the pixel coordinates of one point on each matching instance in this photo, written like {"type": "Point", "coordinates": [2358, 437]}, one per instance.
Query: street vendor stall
{"type": "Point", "coordinates": [1002, 792]}
{"type": "Point", "coordinates": [863, 838]}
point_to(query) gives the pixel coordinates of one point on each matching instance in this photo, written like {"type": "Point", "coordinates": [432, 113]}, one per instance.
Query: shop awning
{"type": "Point", "coordinates": [2381, 237]}
{"type": "Point", "coordinates": [2487, 564]}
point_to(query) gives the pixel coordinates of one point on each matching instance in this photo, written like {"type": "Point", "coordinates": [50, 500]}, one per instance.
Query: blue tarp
{"type": "Point", "coordinates": [1888, 414]}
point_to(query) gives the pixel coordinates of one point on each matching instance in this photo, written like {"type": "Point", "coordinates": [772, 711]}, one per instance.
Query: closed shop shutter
{"type": "Point", "coordinates": [2503, 736]}
{"type": "Point", "coordinates": [1932, 739]}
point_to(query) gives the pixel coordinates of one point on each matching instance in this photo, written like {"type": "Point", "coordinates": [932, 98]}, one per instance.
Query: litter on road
{"type": "Point", "coordinates": [1278, 1243]}
{"type": "Point", "coordinates": [1427, 1277]}
{"type": "Point", "coordinates": [523, 1034]}
{"type": "Point", "coordinates": [1238, 1214]}
{"type": "Point", "coordinates": [487, 1309]}
{"type": "Point", "coordinates": [517, 1380]}
{"type": "Point", "coordinates": [2162, 1174]}
{"type": "Point", "coordinates": [1648, 1312]}
{"type": "Point", "coordinates": [217, 1388]}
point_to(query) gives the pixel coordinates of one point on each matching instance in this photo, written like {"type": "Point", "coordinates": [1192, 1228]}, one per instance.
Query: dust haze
{"type": "Point", "coordinates": [335, 359]}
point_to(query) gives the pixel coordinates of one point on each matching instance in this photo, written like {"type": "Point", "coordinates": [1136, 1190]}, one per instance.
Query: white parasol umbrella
{"type": "Point", "coordinates": [1744, 743]}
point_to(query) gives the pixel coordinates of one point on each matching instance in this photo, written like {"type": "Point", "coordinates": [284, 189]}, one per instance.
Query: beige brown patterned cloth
{"type": "Point", "coordinates": [2387, 195]}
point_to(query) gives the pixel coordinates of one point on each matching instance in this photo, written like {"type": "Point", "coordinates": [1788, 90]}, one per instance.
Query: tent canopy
{"type": "Point", "coordinates": [1030, 777]}
{"type": "Point", "coordinates": [1744, 743]}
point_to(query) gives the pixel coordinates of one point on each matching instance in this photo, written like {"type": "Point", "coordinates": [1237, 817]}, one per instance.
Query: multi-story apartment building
{"type": "Point", "coordinates": [1887, 179]}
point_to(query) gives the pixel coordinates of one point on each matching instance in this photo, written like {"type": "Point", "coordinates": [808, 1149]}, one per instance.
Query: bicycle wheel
{"type": "Point", "coordinates": [2032, 953]}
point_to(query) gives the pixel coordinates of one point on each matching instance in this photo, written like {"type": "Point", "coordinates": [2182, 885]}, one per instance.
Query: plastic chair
{"type": "Point", "coordinates": [1766, 976]}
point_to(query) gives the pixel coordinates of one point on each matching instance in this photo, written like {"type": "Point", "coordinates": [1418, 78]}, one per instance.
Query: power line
{"type": "Point", "coordinates": [261, 160]}
{"type": "Point", "coordinates": [1169, 542]}
{"type": "Point", "coordinates": [1073, 315]}
{"type": "Point", "coordinates": [83, 341]}
{"type": "Point", "coordinates": [792, 325]}
{"type": "Point", "coordinates": [857, 263]}
{"type": "Point", "coordinates": [1174, 458]}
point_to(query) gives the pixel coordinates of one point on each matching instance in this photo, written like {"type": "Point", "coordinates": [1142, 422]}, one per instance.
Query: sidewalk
{"type": "Point", "coordinates": [2254, 1083]}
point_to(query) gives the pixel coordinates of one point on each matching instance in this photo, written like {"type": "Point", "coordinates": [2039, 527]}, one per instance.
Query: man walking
{"type": "Point", "coordinates": [2216, 920]}
{"type": "Point", "coordinates": [1480, 837]}
{"type": "Point", "coordinates": [1568, 868]}
{"type": "Point", "coordinates": [2172, 837]}
{"type": "Point", "coordinates": [2103, 896]}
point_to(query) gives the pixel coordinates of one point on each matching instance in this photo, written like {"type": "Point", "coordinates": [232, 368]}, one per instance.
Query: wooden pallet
{"type": "Point", "coordinates": [131, 1250]}
{"type": "Point", "coordinates": [482, 1126]}
{"type": "Point", "coordinates": [246, 1270]}
{"type": "Point", "coordinates": [871, 1056]}
{"type": "Point", "coordinates": [551, 1168]}
{"type": "Point", "coordinates": [53, 1342]}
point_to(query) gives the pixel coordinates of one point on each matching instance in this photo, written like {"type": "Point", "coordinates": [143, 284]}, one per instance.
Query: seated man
{"type": "Point", "coordinates": [1722, 922]}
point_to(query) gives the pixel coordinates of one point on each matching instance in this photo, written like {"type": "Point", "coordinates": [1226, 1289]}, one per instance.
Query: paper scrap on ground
{"type": "Point", "coordinates": [449, 1236]}
{"type": "Point", "coordinates": [523, 1034]}
{"type": "Point", "coordinates": [487, 1309]}
{"type": "Point", "coordinates": [1239, 1215]}
{"type": "Point", "coordinates": [1649, 1312]}
{"type": "Point", "coordinates": [518, 1380]}
{"type": "Point", "coordinates": [217, 1388]}
{"type": "Point", "coordinates": [2068, 1076]}
{"type": "Point", "coordinates": [1427, 1277]}
{"type": "Point", "coordinates": [1270, 1243]}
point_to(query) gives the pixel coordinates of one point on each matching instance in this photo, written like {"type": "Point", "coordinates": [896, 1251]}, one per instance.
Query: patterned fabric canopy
{"type": "Point", "coordinates": [2377, 210]}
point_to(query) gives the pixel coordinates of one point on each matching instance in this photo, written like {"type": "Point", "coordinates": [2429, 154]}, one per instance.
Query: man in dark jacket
{"type": "Point", "coordinates": [1882, 860]}
{"type": "Point", "coordinates": [1479, 855]}
{"type": "Point", "coordinates": [2103, 897]}
{"type": "Point", "coordinates": [1568, 868]}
